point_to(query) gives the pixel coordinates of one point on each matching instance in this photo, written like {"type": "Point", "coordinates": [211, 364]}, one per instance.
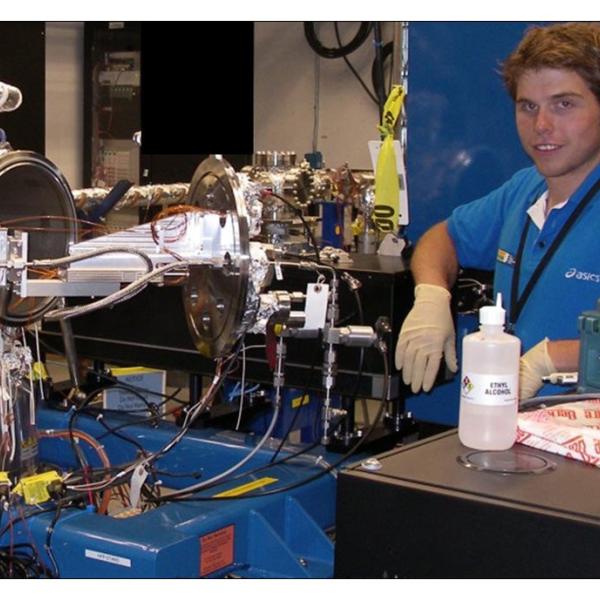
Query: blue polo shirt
{"type": "Point", "coordinates": [487, 233]}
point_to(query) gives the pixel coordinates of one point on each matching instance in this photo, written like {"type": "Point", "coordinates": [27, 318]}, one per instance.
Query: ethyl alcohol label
{"type": "Point", "coordinates": [489, 390]}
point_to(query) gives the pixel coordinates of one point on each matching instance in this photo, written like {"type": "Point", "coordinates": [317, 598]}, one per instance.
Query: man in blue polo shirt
{"type": "Point", "coordinates": [537, 231]}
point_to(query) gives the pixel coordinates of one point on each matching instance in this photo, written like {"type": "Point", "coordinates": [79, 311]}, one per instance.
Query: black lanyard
{"type": "Point", "coordinates": [517, 302]}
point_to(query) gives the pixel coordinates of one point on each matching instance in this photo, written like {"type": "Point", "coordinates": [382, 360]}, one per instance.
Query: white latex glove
{"type": "Point", "coordinates": [534, 364]}
{"type": "Point", "coordinates": [426, 334]}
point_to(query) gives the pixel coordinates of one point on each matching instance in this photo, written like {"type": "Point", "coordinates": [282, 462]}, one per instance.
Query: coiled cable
{"type": "Point", "coordinates": [356, 42]}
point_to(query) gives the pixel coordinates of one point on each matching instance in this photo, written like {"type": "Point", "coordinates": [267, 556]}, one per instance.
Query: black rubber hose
{"type": "Point", "coordinates": [376, 78]}
{"type": "Point", "coordinates": [357, 41]}
{"type": "Point", "coordinates": [116, 193]}
{"type": "Point", "coordinates": [379, 84]}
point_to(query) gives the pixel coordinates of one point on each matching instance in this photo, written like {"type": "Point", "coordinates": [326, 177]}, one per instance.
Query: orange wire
{"type": "Point", "coordinates": [99, 450]}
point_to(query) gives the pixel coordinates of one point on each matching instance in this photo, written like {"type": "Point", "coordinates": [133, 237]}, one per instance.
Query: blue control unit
{"type": "Point", "coordinates": [248, 531]}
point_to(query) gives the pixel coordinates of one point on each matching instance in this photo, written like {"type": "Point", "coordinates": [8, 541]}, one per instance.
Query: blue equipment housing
{"type": "Point", "coordinates": [332, 224]}
{"type": "Point", "coordinates": [264, 534]}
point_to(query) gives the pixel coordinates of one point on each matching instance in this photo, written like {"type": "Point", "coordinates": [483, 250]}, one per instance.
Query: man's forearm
{"type": "Point", "coordinates": [564, 355]}
{"type": "Point", "coordinates": [434, 260]}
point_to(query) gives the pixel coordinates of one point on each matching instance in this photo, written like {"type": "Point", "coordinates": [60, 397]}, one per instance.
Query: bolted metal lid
{"type": "Point", "coordinates": [35, 198]}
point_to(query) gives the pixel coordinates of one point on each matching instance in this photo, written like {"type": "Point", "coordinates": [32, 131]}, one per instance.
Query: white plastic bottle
{"type": "Point", "coordinates": [489, 383]}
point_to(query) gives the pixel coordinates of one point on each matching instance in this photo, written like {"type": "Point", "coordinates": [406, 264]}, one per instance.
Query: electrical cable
{"type": "Point", "coordinates": [386, 51]}
{"type": "Point", "coordinates": [545, 401]}
{"type": "Point", "coordinates": [75, 411]}
{"type": "Point", "coordinates": [313, 41]}
{"type": "Point", "coordinates": [110, 430]}
{"type": "Point", "coordinates": [202, 404]}
{"type": "Point", "coordinates": [99, 449]}
{"type": "Point", "coordinates": [361, 362]}
{"type": "Point", "coordinates": [33, 513]}
{"type": "Point", "coordinates": [122, 295]}
{"type": "Point", "coordinates": [39, 358]}
{"type": "Point", "coordinates": [256, 448]}
{"type": "Point", "coordinates": [382, 348]}
{"type": "Point", "coordinates": [128, 386]}
{"type": "Point", "coordinates": [49, 533]}
{"type": "Point", "coordinates": [284, 459]}
{"type": "Point", "coordinates": [135, 390]}
{"type": "Point", "coordinates": [380, 88]}
{"type": "Point", "coordinates": [352, 69]}
{"type": "Point", "coordinates": [297, 413]}
{"type": "Point", "coordinates": [100, 419]}
{"type": "Point", "coordinates": [67, 260]}
{"type": "Point", "coordinates": [60, 505]}
{"type": "Point", "coordinates": [193, 412]}
{"type": "Point", "coordinates": [189, 417]}
{"type": "Point", "coordinates": [239, 419]}
{"type": "Point", "coordinates": [123, 386]}
{"type": "Point", "coordinates": [172, 397]}
{"type": "Point", "coordinates": [21, 565]}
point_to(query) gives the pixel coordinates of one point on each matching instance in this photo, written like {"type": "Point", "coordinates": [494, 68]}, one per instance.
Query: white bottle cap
{"type": "Point", "coordinates": [493, 315]}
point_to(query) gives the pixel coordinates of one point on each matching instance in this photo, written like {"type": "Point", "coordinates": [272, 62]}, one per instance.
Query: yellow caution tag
{"type": "Point", "coordinates": [300, 401]}
{"type": "Point", "coordinates": [358, 225]}
{"type": "Point", "coordinates": [34, 489]}
{"type": "Point", "coordinates": [247, 487]}
{"type": "Point", "coordinates": [4, 478]}
{"type": "Point", "coordinates": [387, 185]}
{"type": "Point", "coordinates": [39, 371]}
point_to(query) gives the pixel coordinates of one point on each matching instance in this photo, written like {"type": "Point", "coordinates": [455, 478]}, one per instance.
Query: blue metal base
{"type": "Point", "coordinates": [274, 536]}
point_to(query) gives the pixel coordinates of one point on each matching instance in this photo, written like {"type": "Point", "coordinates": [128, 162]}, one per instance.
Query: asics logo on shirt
{"type": "Point", "coordinates": [573, 273]}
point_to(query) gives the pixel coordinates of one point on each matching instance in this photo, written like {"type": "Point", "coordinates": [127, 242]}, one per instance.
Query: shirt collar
{"type": "Point", "coordinates": [537, 211]}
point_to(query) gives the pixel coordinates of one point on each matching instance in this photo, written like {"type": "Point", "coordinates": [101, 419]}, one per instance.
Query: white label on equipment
{"type": "Point", "coordinates": [137, 481]}
{"type": "Point", "coordinates": [109, 558]}
{"type": "Point", "coordinates": [489, 390]}
{"type": "Point", "coordinates": [315, 309]}
{"type": "Point", "coordinates": [278, 272]}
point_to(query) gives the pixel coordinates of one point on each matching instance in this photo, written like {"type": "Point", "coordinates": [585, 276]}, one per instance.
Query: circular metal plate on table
{"type": "Point", "coordinates": [513, 461]}
{"type": "Point", "coordinates": [35, 198]}
{"type": "Point", "coordinates": [218, 302]}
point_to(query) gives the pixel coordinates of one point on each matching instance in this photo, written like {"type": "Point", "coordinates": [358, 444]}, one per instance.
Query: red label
{"type": "Point", "coordinates": [216, 550]}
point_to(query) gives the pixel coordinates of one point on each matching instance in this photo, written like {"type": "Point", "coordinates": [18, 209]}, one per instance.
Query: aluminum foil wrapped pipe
{"type": "Point", "coordinates": [138, 195]}
{"type": "Point", "coordinates": [21, 457]}
{"type": "Point", "coordinates": [18, 434]}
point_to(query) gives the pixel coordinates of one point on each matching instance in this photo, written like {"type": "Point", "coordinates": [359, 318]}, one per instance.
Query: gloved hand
{"type": "Point", "coordinates": [426, 334]}
{"type": "Point", "coordinates": [534, 364]}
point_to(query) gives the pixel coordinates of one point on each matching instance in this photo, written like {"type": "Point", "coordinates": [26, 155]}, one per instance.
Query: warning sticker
{"type": "Point", "coordinates": [216, 550]}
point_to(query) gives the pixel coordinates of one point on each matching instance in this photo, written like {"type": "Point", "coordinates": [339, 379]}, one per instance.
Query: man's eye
{"type": "Point", "coordinates": [527, 107]}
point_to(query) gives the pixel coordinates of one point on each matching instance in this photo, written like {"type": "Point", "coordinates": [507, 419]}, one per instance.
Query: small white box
{"type": "Point", "coordinates": [144, 381]}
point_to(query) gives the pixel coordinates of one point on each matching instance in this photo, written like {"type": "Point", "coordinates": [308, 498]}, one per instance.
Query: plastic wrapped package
{"type": "Point", "coordinates": [571, 430]}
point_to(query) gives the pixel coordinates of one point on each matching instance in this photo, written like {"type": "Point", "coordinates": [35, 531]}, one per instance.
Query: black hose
{"type": "Point", "coordinates": [313, 41]}
{"type": "Point", "coordinates": [377, 74]}
{"type": "Point", "coordinates": [352, 69]}
{"type": "Point", "coordinates": [98, 212]}
{"type": "Point", "coordinates": [383, 351]}
{"type": "Point", "coordinates": [379, 84]}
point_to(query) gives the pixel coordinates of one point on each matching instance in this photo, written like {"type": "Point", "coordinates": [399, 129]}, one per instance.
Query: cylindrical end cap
{"type": "Point", "coordinates": [493, 315]}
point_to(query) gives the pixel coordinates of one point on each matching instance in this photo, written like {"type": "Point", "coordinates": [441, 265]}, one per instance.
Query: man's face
{"type": "Point", "coordinates": [558, 120]}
